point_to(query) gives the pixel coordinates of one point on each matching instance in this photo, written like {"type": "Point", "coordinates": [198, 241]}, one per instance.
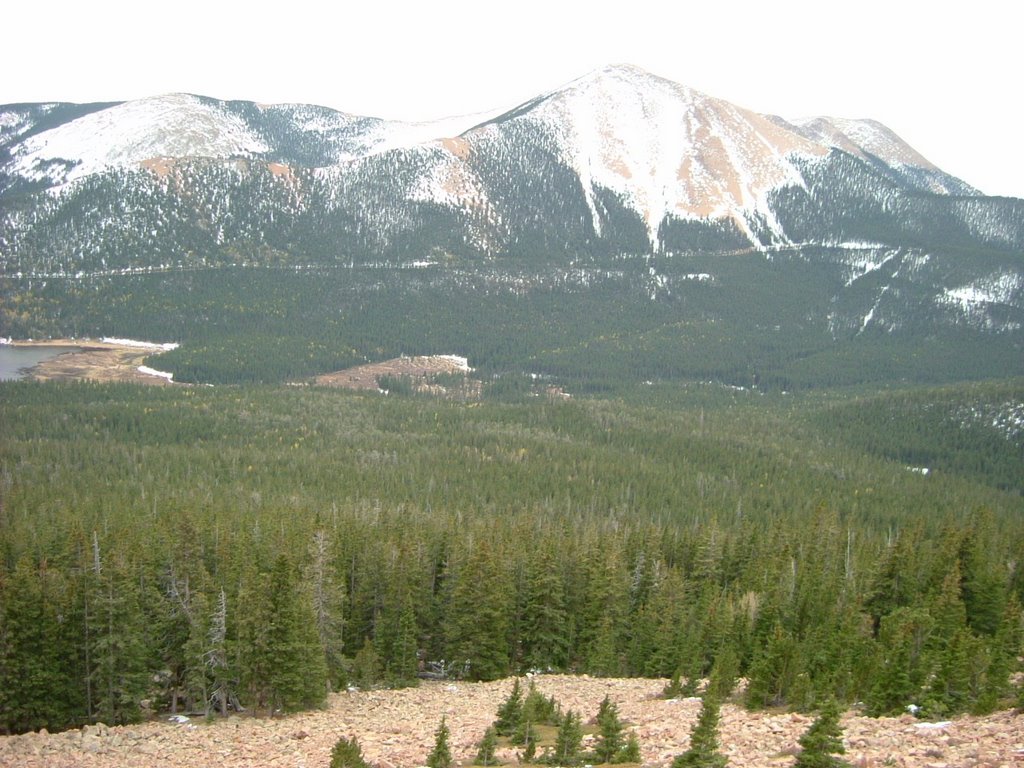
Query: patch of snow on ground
{"type": "Point", "coordinates": [995, 289]}
{"type": "Point", "coordinates": [1006, 418]}
{"type": "Point", "coordinates": [867, 263]}
{"type": "Point", "coordinates": [147, 371]}
{"type": "Point", "coordinates": [461, 363]}
{"type": "Point", "coordinates": [140, 344]}
{"type": "Point", "coordinates": [853, 245]}
{"type": "Point", "coordinates": [871, 312]}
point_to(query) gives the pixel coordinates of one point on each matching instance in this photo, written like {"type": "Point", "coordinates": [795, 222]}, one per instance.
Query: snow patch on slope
{"type": "Point", "coordinates": [866, 263]}
{"type": "Point", "coordinates": [147, 371]}
{"type": "Point", "coordinates": [1006, 418]}
{"type": "Point", "coordinates": [447, 180]}
{"type": "Point", "coordinates": [1004, 288]}
{"type": "Point", "coordinates": [175, 125]}
{"type": "Point", "coordinates": [167, 347]}
{"type": "Point", "coordinates": [871, 312]}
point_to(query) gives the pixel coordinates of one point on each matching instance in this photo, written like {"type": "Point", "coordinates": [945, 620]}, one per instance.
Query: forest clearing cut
{"type": "Point", "coordinates": [442, 375]}
{"type": "Point", "coordinates": [395, 729]}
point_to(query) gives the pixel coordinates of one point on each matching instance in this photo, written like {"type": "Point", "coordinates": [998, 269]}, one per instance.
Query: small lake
{"type": "Point", "coordinates": [14, 360]}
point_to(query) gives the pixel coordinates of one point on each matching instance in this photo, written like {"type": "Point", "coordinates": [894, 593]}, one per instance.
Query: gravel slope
{"type": "Point", "coordinates": [395, 730]}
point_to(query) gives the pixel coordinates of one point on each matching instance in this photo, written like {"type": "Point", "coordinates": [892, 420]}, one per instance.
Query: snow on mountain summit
{"type": "Point", "coordinates": [668, 149]}
{"type": "Point", "coordinates": [173, 125]}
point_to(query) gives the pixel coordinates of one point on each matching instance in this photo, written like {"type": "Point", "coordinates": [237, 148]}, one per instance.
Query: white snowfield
{"type": "Point", "coordinates": [125, 135]}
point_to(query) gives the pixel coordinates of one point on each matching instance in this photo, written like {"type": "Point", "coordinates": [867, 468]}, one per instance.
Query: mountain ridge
{"type": "Point", "coordinates": [616, 158]}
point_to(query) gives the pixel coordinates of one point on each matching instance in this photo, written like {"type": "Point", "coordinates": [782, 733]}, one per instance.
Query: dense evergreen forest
{"type": "Point", "coordinates": [211, 549]}
{"type": "Point", "coordinates": [599, 325]}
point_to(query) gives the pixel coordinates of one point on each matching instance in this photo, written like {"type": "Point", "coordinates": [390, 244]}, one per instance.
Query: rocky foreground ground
{"type": "Point", "coordinates": [396, 729]}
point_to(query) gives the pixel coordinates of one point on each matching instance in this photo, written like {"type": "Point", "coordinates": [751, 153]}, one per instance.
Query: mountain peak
{"type": "Point", "coordinates": [667, 149]}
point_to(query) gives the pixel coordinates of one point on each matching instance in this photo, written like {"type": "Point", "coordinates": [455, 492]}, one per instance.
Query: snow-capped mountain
{"type": "Point", "coordinates": [662, 151]}
{"type": "Point", "coordinates": [617, 162]}
{"type": "Point", "coordinates": [668, 150]}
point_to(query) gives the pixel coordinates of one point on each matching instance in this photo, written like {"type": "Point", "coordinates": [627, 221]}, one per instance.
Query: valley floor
{"type": "Point", "coordinates": [395, 729]}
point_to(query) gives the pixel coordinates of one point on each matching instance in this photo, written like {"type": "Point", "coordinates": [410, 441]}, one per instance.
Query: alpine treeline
{"type": "Point", "coordinates": [212, 550]}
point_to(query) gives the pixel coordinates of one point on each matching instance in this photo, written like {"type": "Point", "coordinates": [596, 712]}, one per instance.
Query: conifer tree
{"type": "Point", "coordinates": [347, 754]}
{"type": "Point", "coordinates": [397, 639]}
{"type": "Point", "coordinates": [118, 650]}
{"type": "Point", "coordinates": [529, 741]}
{"type": "Point", "coordinates": [221, 678]}
{"type": "Point", "coordinates": [950, 690]}
{"type": "Point", "coordinates": [196, 677]}
{"type": "Point", "coordinates": [34, 679]}
{"type": "Point", "coordinates": [703, 751]}
{"type": "Point", "coordinates": [983, 588]}
{"type": "Point", "coordinates": [666, 610]}
{"type": "Point", "coordinates": [630, 753]}
{"type": "Point", "coordinates": [328, 598]}
{"type": "Point", "coordinates": [280, 654]}
{"type": "Point", "coordinates": [823, 740]}
{"type": "Point", "coordinates": [674, 688]}
{"type": "Point", "coordinates": [477, 616]}
{"type": "Point", "coordinates": [488, 745]}
{"type": "Point", "coordinates": [692, 668]}
{"type": "Point", "coordinates": [724, 673]}
{"type": "Point", "coordinates": [366, 666]}
{"type": "Point", "coordinates": [569, 740]}
{"type": "Point", "coordinates": [771, 671]}
{"type": "Point", "coordinates": [543, 634]}
{"type": "Point", "coordinates": [603, 611]}
{"type": "Point", "coordinates": [893, 685]}
{"type": "Point", "coordinates": [441, 755]}
{"type": "Point", "coordinates": [1002, 657]}
{"type": "Point", "coordinates": [298, 677]}
{"type": "Point", "coordinates": [537, 709]}
{"type": "Point", "coordinates": [510, 713]}
{"type": "Point", "coordinates": [609, 726]}
{"type": "Point", "coordinates": [604, 659]}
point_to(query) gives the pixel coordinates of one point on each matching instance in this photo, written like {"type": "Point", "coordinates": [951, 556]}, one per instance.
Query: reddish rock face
{"type": "Point", "coordinates": [396, 730]}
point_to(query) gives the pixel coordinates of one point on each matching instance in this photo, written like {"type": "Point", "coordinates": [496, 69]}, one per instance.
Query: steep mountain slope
{"type": "Point", "coordinates": [667, 150]}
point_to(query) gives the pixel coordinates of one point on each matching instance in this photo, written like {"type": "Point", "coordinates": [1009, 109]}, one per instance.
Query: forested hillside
{"type": "Point", "coordinates": [206, 549]}
{"type": "Point", "coordinates": [790, 320]}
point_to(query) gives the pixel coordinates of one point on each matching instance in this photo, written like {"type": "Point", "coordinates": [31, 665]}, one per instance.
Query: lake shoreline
{"type": "Point", "coordinates": [108, 360]}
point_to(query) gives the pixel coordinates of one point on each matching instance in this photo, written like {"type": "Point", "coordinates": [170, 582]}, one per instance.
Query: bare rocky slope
{"type": "Point", "coordinates": [395, 729]}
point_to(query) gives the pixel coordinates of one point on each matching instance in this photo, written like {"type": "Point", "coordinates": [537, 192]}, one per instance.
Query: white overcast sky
{"type": "Point", "coordinates": [946, 76]}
